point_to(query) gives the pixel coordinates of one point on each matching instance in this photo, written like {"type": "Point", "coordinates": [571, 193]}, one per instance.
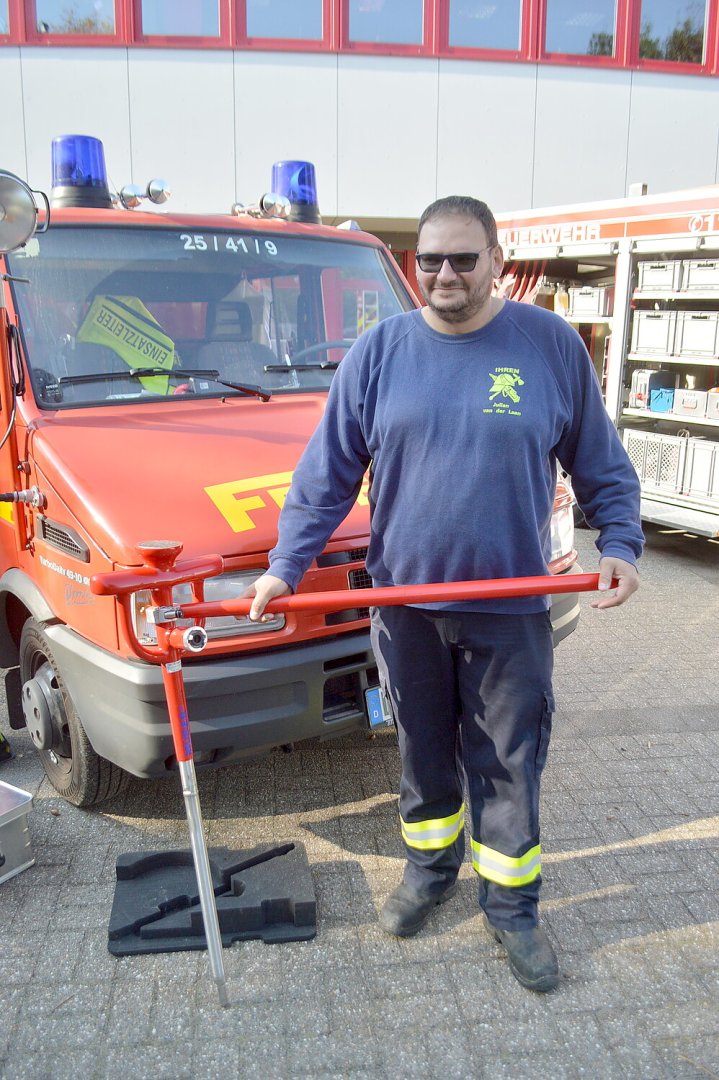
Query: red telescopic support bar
{"type": "Point", "coordinates": [396, 595]}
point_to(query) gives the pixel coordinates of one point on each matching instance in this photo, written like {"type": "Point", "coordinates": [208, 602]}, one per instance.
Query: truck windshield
{"type": "Point", "coordinates": [117, 314]}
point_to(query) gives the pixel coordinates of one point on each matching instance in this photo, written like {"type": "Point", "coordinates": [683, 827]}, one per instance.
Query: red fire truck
{"type": "Point", "coordinates": [639, 278]}
{"type": "Point", "coordinates": [160, 376]}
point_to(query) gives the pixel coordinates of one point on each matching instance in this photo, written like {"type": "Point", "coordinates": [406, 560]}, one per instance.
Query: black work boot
{"type": "Point", "coordinates": [406, 910]}
{"type": "Point", "coordinates": [531, 956]}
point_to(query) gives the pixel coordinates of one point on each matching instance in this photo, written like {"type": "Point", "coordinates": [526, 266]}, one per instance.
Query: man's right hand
{"type": "Point", "coordinates": [263, 590]}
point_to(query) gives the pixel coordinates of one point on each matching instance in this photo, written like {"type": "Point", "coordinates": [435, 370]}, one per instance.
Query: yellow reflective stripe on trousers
{"type": "Point", "coordinates": [503, 869]}
{"type": "Point", "coordinates": [433, 834]}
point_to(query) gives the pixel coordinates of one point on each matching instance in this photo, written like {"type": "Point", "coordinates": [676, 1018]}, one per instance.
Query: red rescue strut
{"type": "Point", "coordinates": [160, 572]}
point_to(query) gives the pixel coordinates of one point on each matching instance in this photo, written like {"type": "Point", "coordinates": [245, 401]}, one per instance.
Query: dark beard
{"type": "Point", "coordinates": [469, 308]}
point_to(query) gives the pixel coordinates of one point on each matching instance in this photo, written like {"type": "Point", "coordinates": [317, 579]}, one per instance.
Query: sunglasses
{"type": "Point", "coordinates": [462, 262]}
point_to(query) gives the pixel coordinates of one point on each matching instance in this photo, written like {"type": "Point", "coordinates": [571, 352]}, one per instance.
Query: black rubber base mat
{"type": "Point", "coordinates": [263, 893]}
{"type": "Point", "coordinates": [5, 749]}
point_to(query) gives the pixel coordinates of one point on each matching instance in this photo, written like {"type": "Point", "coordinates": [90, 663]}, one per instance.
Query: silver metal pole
{"type": "Point", "coordinates": [204, 877]}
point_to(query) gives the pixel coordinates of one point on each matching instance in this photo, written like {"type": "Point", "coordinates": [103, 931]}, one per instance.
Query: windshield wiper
{"type": "Point", "coordinates": [177, 373]}
{"type": "Point", "coordinates": [302, 367]}
{"type": "Point", "coordinates": [308, 350]}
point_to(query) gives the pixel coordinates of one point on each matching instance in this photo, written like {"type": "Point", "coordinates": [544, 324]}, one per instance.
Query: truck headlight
{"type": "Point", "coordinates": [562, 530]}
{"type": "Point", "coordinates": [224, 587]}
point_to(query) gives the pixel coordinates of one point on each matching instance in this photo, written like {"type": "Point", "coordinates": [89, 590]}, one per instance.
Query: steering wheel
{"type": "Point", "coordinates": [322, 346]}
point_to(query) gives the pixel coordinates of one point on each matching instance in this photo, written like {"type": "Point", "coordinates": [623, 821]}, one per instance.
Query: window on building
{"type": "Point", "coordinates": [181, 18]}
{"type": "Point", "coordinates": [75, 16]}
{"type": "Point", "coordinates": [478, 24]}
{"type": "Point", "coordinates": [390, 22]}
{"type": "Point", "coordinates": [4, 22]}
{"type": "Point", "coordinates": [299, 20]}
{"type": "Point", "coordinates": [673, 31]}
{"type": "Point", "coordinates": [581, 29]}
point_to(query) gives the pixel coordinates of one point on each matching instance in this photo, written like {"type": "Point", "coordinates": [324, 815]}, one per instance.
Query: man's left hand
{"type": "Point", "coordinates": [627, 576]}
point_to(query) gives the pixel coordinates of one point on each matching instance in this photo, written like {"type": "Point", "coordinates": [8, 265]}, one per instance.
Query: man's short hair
{"type": "Point", "coordinates": [462, 205]}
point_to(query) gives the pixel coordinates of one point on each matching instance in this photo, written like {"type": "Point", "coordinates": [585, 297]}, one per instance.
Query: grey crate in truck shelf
{"type": "Point", "coordinates": [658, 459]}
{"type": "Point", "coordinates": [700, 274]}
{"type": "Point", "coordinates": [656, 275]}
{"type": "Point", "coordinates": [697, 333]}
{"type": "Point", "coordinates": [701, 480]}
{"type": "Point", "coordinates": [680, 464]}
{"type": "Point", "coordinates": [653, 332]}
{"type": "Point", "coordinates": [591, 300]}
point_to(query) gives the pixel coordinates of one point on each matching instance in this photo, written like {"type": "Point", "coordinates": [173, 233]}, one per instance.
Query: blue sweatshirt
{"type": "Point", "coordinates": [463, 433]}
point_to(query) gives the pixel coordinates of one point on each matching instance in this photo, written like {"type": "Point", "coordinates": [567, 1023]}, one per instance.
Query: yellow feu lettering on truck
{"type": "Point", "coordinates": [279, 495]}
{"type": "Point", "coordinates": [236, 498]}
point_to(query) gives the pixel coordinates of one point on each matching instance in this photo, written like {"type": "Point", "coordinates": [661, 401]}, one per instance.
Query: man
{"type": "Point", "coordinates": [462, 410]}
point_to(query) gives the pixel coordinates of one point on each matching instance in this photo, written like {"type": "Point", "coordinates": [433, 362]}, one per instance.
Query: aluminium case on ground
{"type": "Point", "coordinates": [15, 847]}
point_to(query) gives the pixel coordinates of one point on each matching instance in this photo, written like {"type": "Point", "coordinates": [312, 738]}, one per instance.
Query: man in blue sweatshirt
{"type": "Point", "coordinates": [465, 407]}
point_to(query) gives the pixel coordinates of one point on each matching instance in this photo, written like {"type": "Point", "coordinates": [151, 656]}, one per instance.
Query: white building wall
{"type": "Point", "coordinates": [75, 91]}
{"type": "Point", "coordinates": [182, 124]}
{"type": "Point", "coordinates": [285, 108]}
{"type": "Point", "coordinates": [12, 155]}
{"type": "Point", "coordinates": [581, 128]}
{"type": "Point", "coordinates": [673, 129]}
{"type": "Point", "coordinates": [486, 131]}
{"type": "Point", "coordinates": [387, 134]}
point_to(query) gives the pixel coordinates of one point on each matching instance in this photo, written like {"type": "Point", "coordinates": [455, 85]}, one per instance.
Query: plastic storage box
{"type": "Point", "coordinates": [15, 848]}
{"type": "Point", "coordinates": [675, 463]}
{"type": "Point", "coordinates": [658, 459]}
{"type": "Point", "coordinates": [697, 333]}
{"type": "Point", "coordinates": [591, 300]}
{"type": "Point", "coordinates": [661, 400]}
{"type": "Point", "coordinates": [690, 403]}
{"type": "Point", "coordinates": [701, 479]}
{"type": "Point", "coordinates": [646, 382]}
{"type": "Point", "coordinates": [653, 332]}
{"type": "Point", "coordinates": [660, 276]}
{"type": "Point", "coordinates": [713, 405]}
{"type": "Point", "coordinates": [700, 274]}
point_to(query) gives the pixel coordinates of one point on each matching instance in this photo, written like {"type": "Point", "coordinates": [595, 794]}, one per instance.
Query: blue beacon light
{"type": "Point", "coordinates": [296, 181]}
{"type": "Point", "coordinates": [79, 176]}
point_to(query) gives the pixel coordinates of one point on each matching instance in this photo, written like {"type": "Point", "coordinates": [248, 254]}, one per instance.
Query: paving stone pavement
{"type": "Point", "coordinates": [631, 840]}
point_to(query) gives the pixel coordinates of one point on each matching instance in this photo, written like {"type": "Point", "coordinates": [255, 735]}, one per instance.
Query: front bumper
{"type": "Point", "coordinates": [565, 610]}
{"type": "Point", "coordinates": [239, 705]}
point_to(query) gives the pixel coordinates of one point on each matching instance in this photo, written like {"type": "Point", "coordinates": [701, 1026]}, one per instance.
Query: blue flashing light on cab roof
{"type": "Point", "coordinates": [296, 181]}
{"type": "Point", "coordinates": [79, 176]}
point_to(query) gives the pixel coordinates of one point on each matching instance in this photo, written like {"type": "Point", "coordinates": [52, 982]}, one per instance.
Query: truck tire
{"type": "Point", "coordinates": [70, 763]}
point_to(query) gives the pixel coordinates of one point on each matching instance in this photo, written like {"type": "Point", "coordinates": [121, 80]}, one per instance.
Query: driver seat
{"type": "Point", "coordinates": [229, 346]}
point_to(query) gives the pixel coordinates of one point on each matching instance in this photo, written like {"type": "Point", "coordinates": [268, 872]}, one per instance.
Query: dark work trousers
{"type": "Point", "coordinates": [472, 700]}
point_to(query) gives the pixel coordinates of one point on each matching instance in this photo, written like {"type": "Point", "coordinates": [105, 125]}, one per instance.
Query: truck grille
{"type": "Point", "coordinates": [356, 579]}
{"type": "Point", "coordinates": [338, 558]}
{"type": "Point", "coordinates": [63, 538]}
{"type": "Point", "coordinates": [359, 579]}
